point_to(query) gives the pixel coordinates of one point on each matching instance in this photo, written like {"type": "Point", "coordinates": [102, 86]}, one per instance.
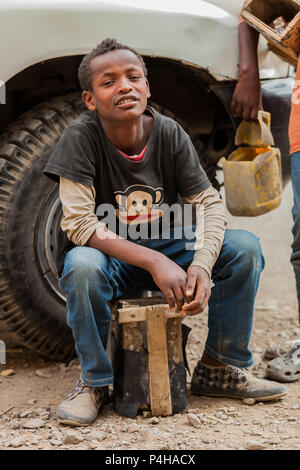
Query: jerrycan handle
{"type": "Point", "coordinates": [221, 162]}
{"type": "Point", "coordinates": [257, 132]}
{"type": "Point", "coordinates": [265, 116]}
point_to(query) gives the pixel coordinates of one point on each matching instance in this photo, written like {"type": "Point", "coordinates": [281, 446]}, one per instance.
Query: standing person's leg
{"type": "Point", "coordinates": [236, 276]}
{"type": "Point", "coordinates": [295, 257]}
{"type": "Point", "coordinates": [287, 367]}
{"type": "Point", "coordinates": [90, 279]}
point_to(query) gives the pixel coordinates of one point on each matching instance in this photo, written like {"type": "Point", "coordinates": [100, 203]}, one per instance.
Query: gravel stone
{"type": "Point", "coordinates": [42, 373]}
{"type": "Point", "coordinates": [94, 445]}
{"type": "Point", "coordinates": [154, 420]}
{"type": "Point", "coordinates": [32, 401]}
{"type": "Point", "coordinates": [34, 440]}
{"type": "Point", "coordinates": [249, 401]}
{"type": "Point", "coordinates": [25, 414]}
{"type": "Point", "coordinates": [193, 420]}
{"type": "Point", "coordinates": [133, 427]}
{"type": "Point", "coordinates": [17, 442]}
{"type": "Point", "coordinates": [55, 442]}
{"type": "Point", "coordinates": [254, 446]}
{"type": "Point", "coordinates": [34, 423]}
{"type": "Point", "coordinates": [72, 437]}
{"type": "Point", "coordinates": [96, 436]}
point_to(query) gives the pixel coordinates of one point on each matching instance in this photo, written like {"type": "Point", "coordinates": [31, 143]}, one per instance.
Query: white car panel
{"type": "Point", "coordinates": [201, 33]}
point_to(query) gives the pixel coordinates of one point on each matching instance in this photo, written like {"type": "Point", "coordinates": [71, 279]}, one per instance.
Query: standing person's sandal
{"type": "Point", "coordinates": [286, 368]}
{"type": "Point", "coordinates": [82, 405]}
{"type": "Point", "coordinates": [233, 382]}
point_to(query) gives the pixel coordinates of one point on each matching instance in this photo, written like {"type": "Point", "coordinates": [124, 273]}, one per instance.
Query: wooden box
{"type": "Point", "coordinates": [261, 13]}
{"type": "Point", "coordinates": [148, 342]}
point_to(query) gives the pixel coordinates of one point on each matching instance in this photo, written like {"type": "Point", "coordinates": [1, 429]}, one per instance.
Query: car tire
{"type": "Point", "coordinates": [32, 309]}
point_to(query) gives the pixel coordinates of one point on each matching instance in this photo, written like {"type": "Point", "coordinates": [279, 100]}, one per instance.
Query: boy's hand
{"type": "Point", "coordinates": [197, 291]}
{"type": "Point", "coordinates": [246, 99]}
{"type": "Point", "coordinates": [171, 280]}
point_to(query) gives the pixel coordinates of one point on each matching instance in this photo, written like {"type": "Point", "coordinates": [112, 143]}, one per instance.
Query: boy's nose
{"type": "Point", "coordinates": [125, 85]}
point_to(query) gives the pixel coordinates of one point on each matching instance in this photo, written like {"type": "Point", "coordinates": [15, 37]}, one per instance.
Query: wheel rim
{"type": "Point", "coordinates": [50, 241]}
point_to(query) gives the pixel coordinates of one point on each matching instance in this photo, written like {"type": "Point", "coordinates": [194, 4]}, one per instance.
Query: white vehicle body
{"type": "Point", "coordinates": [197, 32]}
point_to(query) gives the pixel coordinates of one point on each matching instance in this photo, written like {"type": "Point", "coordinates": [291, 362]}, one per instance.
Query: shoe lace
{"type": "Point", "coordinates": [239, 372]}
{"type": "Point", "coordinates": [79, 388]}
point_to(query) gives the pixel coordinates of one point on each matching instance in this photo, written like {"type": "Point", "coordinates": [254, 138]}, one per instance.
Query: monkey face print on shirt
{"type": "Point", "coordinates": [139, 204]}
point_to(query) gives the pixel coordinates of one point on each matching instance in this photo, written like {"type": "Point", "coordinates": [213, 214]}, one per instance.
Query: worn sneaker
{"type": "Point", "coordinates": [82, 405]}
{"type": "Point", "coordinates": [233, 382]}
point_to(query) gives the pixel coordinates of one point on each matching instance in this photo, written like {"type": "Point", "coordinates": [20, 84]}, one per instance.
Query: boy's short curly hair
{"type": "Point", "coordinates": [85, 72]}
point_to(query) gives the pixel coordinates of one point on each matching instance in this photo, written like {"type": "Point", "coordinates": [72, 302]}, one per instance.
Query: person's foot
{"type": "Point", "coordinates": [286, 368]}
{"type": "Point", "coordinates": [82, 405]}
{"type": "Point", "coordinates": [233, 382]}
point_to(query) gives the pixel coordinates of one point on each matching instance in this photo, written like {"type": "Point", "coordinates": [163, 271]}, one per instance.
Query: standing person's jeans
{"type": "Point", "coordinates": [295, 257]}
{"type": "Point", "coordinates": [91, 279]}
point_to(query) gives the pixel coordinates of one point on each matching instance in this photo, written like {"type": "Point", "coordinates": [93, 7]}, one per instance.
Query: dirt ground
{"type": "Point", "coordinates": [30, 396]}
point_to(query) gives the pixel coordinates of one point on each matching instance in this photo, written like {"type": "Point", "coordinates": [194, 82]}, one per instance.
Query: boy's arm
{"type": "Point", "coordinates": [246, 100]}
{"type": "Point", "coordinates": [210, 228]}
{"type": "Point", "coordinates": [78, 205]}
{"type": "Point", "coordinates": [84, 229]}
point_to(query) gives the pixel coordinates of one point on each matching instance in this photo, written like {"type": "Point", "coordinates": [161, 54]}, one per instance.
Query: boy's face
{"type": "Point", "coordinates": [119, 86]}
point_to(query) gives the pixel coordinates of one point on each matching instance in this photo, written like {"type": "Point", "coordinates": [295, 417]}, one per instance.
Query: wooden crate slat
{"type": "Point", "coordinates": [285, 53]}
{"type": "Point", "coordinates": [137, 313]}
{"type": "Point", "coordinates": [174, 339]}
{"type": "Point", "coordinates": [291, 38]}
{"type": "Point", "coordinates": [160, 395]}
{"type": "Point", "coordinates": [286, 45]}
{"type": "Point", "coordinates": [260, 26]}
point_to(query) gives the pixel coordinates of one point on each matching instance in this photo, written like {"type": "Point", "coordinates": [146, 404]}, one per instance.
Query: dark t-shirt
{"type": "Point", "coordinates": [169, 167]}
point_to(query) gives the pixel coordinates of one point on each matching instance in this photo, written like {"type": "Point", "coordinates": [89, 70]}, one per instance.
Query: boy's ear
{"type": "Point", "coordinates": [88, 99]}
{"type": "Point", "coordinates": [148, 91]}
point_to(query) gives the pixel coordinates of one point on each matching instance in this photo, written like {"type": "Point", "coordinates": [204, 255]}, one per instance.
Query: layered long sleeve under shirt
{"type": "Point", "coordinates": [93, 174]}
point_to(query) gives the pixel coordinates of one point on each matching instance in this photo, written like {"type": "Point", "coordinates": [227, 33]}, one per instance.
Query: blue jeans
{"type": "Point", "coordinates": [295, 256]}
{"type": "Point", "coordinates": [90, 279]}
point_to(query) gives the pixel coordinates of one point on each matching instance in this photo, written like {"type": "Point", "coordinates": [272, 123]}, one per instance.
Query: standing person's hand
{"type": "Point", "coordinates": [246, 99]}
{"type": "Point", "coordinates": [197, 291]}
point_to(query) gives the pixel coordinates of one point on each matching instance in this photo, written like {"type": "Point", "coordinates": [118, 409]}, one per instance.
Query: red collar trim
{"type": "Point", "coordinates": [135, 158]}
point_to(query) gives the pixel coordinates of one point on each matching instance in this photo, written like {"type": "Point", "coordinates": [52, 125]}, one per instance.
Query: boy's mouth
{"type": "Point", "coordinates": [127, 102]}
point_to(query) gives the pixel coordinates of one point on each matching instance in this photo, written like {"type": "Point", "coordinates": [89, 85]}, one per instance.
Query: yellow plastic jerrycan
{"type": "Point", "coordinates": [252, 175]}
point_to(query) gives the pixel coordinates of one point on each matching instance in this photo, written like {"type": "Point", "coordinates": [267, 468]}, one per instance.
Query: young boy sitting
{"type": "Point", "coordinates": [125, 154]}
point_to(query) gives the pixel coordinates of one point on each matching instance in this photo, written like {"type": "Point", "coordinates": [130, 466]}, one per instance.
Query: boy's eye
{"type": "Point", "coordinates": [134, 77]}
{"type": "Point", "coordinates": [107, 83]}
